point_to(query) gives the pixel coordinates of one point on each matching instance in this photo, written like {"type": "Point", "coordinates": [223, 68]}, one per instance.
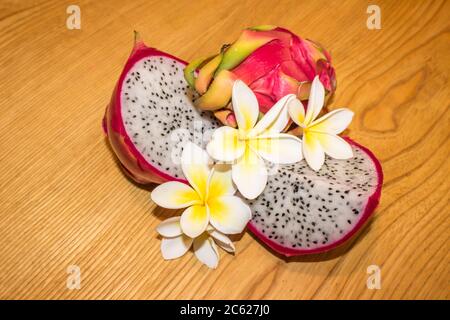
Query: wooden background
{"type": "Point", "coordinates": [64, 201]}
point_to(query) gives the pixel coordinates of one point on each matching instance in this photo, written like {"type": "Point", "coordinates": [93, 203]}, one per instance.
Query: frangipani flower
{"type": "Point", "coordinates": [209, 199]}
{"type": "Point", "coordinates": [320, 135]}
{"type": "Point", "coordinates": [254, 141]}
{"type": "Point", "coordinates": [175, 243]}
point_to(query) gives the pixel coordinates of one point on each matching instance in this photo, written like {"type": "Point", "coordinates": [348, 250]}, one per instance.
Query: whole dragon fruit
{"type": "Point", "coordinates": [271, 60]}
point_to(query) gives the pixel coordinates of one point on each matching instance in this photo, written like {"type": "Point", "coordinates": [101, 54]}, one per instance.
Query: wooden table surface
{"type": "Point", "coordinates": [64, 201]}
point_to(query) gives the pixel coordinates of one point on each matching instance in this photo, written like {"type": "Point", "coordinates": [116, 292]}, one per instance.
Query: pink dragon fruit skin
{"type": "Point", "coordinates": [273, 62]}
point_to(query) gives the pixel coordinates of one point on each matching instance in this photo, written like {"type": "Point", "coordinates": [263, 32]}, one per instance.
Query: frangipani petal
{"type": "Point", "coordinates": [297, 112]}
{"type": "Point", "coordinates": [315, 101]}
{"type": "Point", "coordinates": [172, 248]}
{"type": "Point", "coordinates": [174, 195]}
{"type": "Point", "coordinates": [276, 119]}
{"type": "Point", "coordinates": [245, 106]}
{"type": "Point", "coordinates": [194, 220]}
{"type": "Point", "coordinates": [206, 251]}
{"type": "Point", "coordinates": [220, 181]}
{"type": "Point", "coordinates": [170, 228]}
{"type": "Point", "coordinates": [222, 240]}
{"type": "Point", "coordinates": [225, 144]}
{"type": "Point", "coordinates": [195, 164]}
{"type": "Point", "coordinates": [280, 149]}
{"type": "Point", "coordinates": [335, 146]}
{"type": "Point", "coordinates": [333, 122]}
{"type": "Point", "coordinates": [229, 214]}
{"type": "Point", "coordinates": [313, 151]}
{"type": "Point", "coordinates": [250, 174]}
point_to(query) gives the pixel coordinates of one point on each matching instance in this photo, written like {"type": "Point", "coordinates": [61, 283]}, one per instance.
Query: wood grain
{"type": "Point", "coordinates": [64, 201]}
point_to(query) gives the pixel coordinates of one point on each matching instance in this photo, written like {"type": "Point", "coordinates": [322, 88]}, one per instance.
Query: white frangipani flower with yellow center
{"type": "Point", "coordinates": [175, 243]}
{"type": "Point", "coordinates": [209, 199]}
{"type": "Point", "coordinates": [254, 141]}
{"type": "Point", "coordinates": [320, 136]}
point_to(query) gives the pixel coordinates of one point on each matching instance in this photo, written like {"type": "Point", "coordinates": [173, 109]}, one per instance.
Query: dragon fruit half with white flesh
{"type": "Point", "coordinates": [151, 115]}
{"type": "Point", "coordinates": [302, 211]}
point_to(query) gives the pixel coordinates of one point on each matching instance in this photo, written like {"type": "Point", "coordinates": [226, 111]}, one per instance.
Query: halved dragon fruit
{"type": "Point", "coordinates": [302, 211]}
{"type": "Point", "coordinates": [151, 115]}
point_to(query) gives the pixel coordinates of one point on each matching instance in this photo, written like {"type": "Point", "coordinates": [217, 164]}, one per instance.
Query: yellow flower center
{"type": "Point", "coordinates": [242, 135]}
